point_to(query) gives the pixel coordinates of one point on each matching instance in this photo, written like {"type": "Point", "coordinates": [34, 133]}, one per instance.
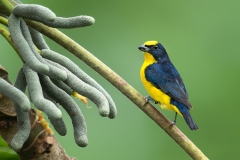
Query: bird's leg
{"type": "Point", "coordinates": [148, 98]}
{"type": "Point", "coordinates": [175, 120]}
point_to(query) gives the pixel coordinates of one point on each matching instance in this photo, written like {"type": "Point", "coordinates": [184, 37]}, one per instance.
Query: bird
{"type": "Point", "coordinates": [164, 83]}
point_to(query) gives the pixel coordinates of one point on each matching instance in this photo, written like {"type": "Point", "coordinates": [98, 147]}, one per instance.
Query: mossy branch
{"type": "Point", "coordinates": [122, 86]}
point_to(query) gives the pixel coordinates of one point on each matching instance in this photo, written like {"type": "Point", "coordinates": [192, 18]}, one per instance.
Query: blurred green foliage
{"type": "Point", "coordinates": [202, 39]}
{"type": "Point", "coordinates": [5, 152]}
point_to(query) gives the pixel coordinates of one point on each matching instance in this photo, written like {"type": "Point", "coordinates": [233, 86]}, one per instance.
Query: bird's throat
{"type": "Point", "coordinates": [148, 58]}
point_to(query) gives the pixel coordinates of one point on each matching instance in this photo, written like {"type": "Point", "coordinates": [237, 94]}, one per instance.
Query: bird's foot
{"type": "Point", "coordinates": [148, 98]}
{"type": "Point", "coordinates": [174, 121]}
{"type": "Point", "coordinates": [172, 124]}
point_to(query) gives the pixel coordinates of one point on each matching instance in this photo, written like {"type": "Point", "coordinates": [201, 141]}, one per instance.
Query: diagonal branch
{"type": "Point", "coordinates": [122, 86]}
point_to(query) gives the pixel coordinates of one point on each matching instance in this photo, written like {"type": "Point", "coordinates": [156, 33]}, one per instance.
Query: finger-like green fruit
{"type": "Point", "coordinates": [24, 129]}
{"type": "Point", "coordinates": [86, 90]}
{"type": "Point", "coordinates": [34, 12]}
{"type": "Point", "coordinates": [71, 22]}
{"type": "Point", "coordinates": [54, 72]}
{"type": "Point", "coordinates": [23, 121]}
{"type": "Point", "coordinates": [23, 47]}
{"type": "Point", "coordinates": [60, 96]}
{"type": "Point", "coordinates": [38, 39]}
{"type": "Point", "coordinates": [72, 67]}
{"type": "Point", "coordinates": [58, 124]}
{"type": "Point", "coordinates": [36, 95]}
{"type": "Point", "coordinates": [62, 86]}
{"type": "Point", "coordinates": [14, 94]}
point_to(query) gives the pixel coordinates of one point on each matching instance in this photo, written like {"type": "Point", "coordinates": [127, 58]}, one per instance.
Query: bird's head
{"type": "Point", "coordinates": [154, 48]}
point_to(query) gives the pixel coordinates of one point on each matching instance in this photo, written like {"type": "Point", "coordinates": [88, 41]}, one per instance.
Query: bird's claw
{"type": "Point", "coordinates": [172, 124]}
{"type": "Point", "coordinates": [148, 98]}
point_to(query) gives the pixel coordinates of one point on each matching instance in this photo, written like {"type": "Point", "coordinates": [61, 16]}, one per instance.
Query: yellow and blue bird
{"type": "Point", "coordinates": [164, 83]}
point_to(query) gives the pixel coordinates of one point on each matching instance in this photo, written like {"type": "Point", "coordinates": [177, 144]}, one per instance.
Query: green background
{"type": "Point", "coordinates": [202, 39]}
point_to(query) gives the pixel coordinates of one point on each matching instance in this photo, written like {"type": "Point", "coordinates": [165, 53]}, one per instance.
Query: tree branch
{"type": "Point", "coordinates": [122, 86]}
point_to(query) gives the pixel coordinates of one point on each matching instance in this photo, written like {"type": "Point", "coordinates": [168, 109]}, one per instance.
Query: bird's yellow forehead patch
{"type": "Point", "coordinates": [151, 43]}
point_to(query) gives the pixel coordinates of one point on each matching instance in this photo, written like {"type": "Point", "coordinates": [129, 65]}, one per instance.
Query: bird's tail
{"type": "Point", "coordinates": [186, 115]}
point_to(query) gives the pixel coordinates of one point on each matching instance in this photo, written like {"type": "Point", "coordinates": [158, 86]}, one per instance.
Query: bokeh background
{"type": "Point", "coordinates": [202, 39]}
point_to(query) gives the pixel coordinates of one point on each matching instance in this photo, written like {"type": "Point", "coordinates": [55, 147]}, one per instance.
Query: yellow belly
{"type": "Point", "coordinates": [156, 93]}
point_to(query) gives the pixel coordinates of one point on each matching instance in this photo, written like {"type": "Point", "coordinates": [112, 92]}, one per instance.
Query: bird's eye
{"type": "Point", "coordinates": [155, 47]}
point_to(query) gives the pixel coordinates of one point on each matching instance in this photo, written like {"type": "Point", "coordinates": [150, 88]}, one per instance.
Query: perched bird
{"type": "Point", "coordinates": [163, 82]}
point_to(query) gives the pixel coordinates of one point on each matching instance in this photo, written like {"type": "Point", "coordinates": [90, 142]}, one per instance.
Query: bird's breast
{"type": "Point", "coordinates": [156, 93]}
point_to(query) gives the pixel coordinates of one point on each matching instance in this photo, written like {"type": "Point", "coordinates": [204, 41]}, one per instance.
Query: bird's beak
{"type": "Point", "coordinates": [143, 48]}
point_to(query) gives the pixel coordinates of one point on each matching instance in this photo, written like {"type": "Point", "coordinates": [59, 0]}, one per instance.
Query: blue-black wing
{"type": "Point", "coordinates": [167, 78]}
